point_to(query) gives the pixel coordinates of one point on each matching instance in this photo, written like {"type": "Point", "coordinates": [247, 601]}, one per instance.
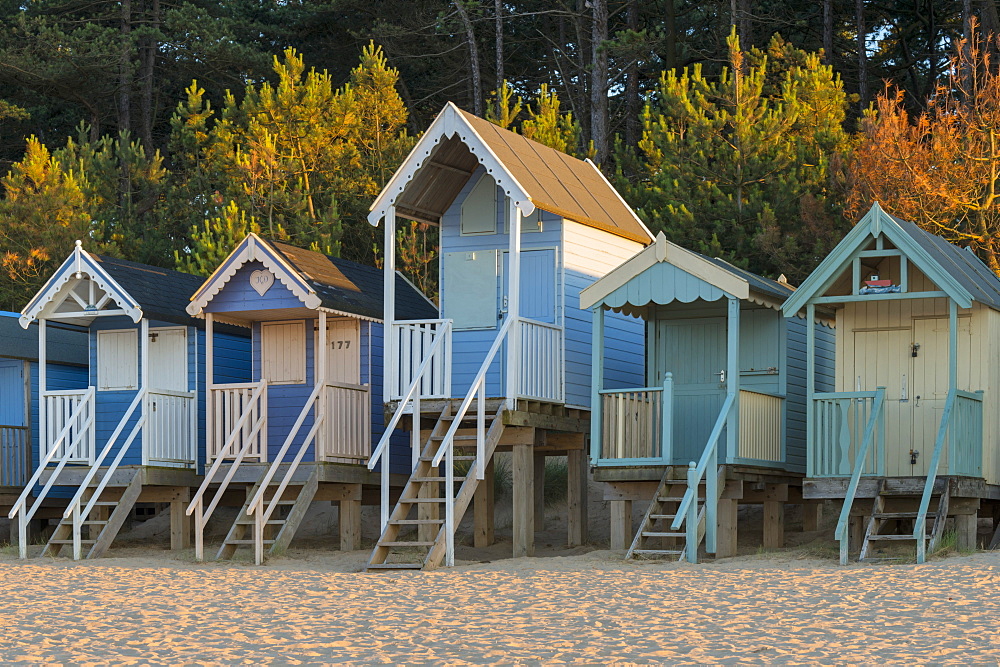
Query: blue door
{"type": "Point", "coordinates": [694, 351]}
{"type": "Point", "coordinates": [537, 303]}
{"type": "Point", "coordinates": [12, 411]}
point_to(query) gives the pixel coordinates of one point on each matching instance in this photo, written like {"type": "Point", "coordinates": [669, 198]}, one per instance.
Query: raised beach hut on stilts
{"type": "Point", "coordinates": [908, 439]}
{"type": "Point", "coordinates": [505, 363]}
{"type": "Point", "coordinates": [720, 418]}
{"type": "Point", "coordinates": [133, 433]}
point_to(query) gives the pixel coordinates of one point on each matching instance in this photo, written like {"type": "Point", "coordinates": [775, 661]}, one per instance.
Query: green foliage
{"type": "Point", "coordinates": [748, 165]}
{"type": "Point", "coordinates": [214, 240]}
{"type": "Point", "coordinates": [545, 122]}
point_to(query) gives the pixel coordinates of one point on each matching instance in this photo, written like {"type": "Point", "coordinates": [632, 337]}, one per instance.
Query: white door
{"type": "Point", "coordinates": [170, 412]}
{"type": "Point", "coordinates": [343, 356]}
{"type": "Point", "coordinates": [346, 436]}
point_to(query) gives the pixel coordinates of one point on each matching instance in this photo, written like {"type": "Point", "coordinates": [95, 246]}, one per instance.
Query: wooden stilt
{"type": "Point", "coordinates": [966, 526]}
{"type": "Point", "coordinates": [576, 497]}
{"type": "Point", "coordinates": [725, 545]}
{"type": "Point", "coordinates": [350, 522]}
{"type": "Point", "coordinates": [483, 508]}
{"type": "Point", "coordinates": [524, 500]}
{"type": "Point", "coordinates": [812, 516]}
{"type": "Point", "coordinates": [429, 511]}
{"type": "Point", "coordinates": [856, 532]}
{"type": "Point", "coordinates": [774, 524]}
{"type": "Point", "coordinates": [539, 492]}
{"type": "Point", "coordinates": [621, 524]}
{"type": "Point", "coordinates": [180, 522]}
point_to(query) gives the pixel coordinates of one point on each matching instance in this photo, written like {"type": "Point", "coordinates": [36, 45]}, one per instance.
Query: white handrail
{"type": "Point", "coordinates": [381, 451]}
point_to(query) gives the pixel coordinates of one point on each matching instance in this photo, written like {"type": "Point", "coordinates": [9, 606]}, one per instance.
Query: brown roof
{"type": "Point", "coordinates": [555, 182]}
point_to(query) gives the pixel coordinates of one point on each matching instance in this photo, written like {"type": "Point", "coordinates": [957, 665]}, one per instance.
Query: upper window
{"type": "Point", "coordinates": [529, 223]}
{"type": "Point", "coordinates": [117, 359]}
{"type": "Point", "coordinates": [479, 210]}
{"type": "Point", "coordinates": [283, 352]}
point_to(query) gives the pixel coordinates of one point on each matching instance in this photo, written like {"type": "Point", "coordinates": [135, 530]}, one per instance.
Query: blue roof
{"type": "Point", "coordinates": [65, 344]}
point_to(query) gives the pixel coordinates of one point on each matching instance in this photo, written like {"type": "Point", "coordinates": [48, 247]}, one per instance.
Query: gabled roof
{"type": "Point", "coordinates": [162, 294]}
{"type": "Point", "coordinates": [957, 272]}
{"type": "Point", "coordinates": [531, 174]}
{"type": "Point", "coordinates": [723, 276]}
{"type": "Point", "coordinates": [320, 282]}
{"type": "Point", "coordinates": [63, 344]}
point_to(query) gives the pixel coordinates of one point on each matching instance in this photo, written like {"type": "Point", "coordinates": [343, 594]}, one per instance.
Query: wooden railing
{"type": "Point", "coordinates": [761, 420]}
{"type": "Point", "coordinates": [542, 354]}
{"type": "Point", "coordinates": [60, 412]}
{"type": "Point", "coordinates": [413, 341]}
{"type": "Point", "coordinates": [171, 428]}
{"type": "Point", "coordinates": [15, 455]}
{"type": "Point", "coordinates": [636, 426]}
{"type": "Point", "coordinates": [236, 409]}
{"type": "Point", "coordinates": [870, 438]}
{"type": "Point", "coordinates": [838, 424]}
{"type": "Point", "coordinates": [347, 437]}
{"type": "Point", "coordinates": [961, 434]}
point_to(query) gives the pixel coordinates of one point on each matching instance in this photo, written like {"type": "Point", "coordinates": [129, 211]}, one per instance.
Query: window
{"type": "Point", "coordinates": [479, 210]}
{"type": "Point", "coordinates": [529, 223]}
{"type": "Point", "coordinates": [283, 352]}
{"type": "Point", "coordinates": [470, 289]}
{"type": "Point", "coordinates": [117, 360]}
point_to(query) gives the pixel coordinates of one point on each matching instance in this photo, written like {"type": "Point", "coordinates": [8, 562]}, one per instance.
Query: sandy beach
{"type": "Point", "coordinates": [140, 608]}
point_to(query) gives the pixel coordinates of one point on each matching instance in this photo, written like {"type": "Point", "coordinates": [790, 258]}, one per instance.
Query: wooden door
{"type": "Point", "coordinates": [694, 351]}
{"type": "Point", "coordinates": [170, 412]}
{"type": "Point", "coordinates": [168, 359]}
{"type": "Point", "coordinates": [346, 435]}
{"type": "Point", "coordinates": [343, 355]}
{"type": "Point", "coordinates": [882, 359]}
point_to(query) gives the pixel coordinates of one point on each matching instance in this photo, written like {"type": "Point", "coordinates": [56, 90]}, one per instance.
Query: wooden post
{"type": "Point", "coordinates": [596, 383]}
{"type": "Point", "coordinates": [514, 309]}
{"type": "Point", "coordinates": [952, 344]}
{"type": "Point", "coordinates": [810, 389]}
{"type": "Point", "coordinates": [323, 444]}
{"type": "Point", "coordinates": [774, 515]}
{"type": "Point", "coordinates": [855, 532]}
{"type": "Point", "coordinates": [388, 306]}
{"type": "Point", "coordinates": [209, 380]}
{"type": "Point", "coordinates": [144, 386]}
{"type": "Point", "coordinates": [42, 364]}
{"type": "Point", "coordinates": [524, 497]}
{"type": "Point", "coordinates": [483, 508]}
{"type": "Point", "coordinates": [539, 492]}
{"type": "Point", "coordinates": [725, 544]}
{"type": "Point", "coordinates": [812, 516]}
{"type": "Point", "coordinates": [350, 521]}
{"type": "Point", "coordinates": [180, 522]}
{"type": "Point", "coordinates": [966, 526]}
{"type": "Point", "coordinates": [576, 497]}
{"type": "Point", "coordinates": [621, 524]}
{"type": "Point", "coordinates": [427, 532]}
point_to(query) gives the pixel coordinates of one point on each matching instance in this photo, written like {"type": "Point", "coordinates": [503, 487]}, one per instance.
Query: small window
{"type": "Point", "coordinates": [529, 223]}
{"type": "Point", "coordinates": [479, 210]}
{"type": "Point", "coordinates": [283, 352]}
{"type": "Point", "coordinates": [117, 360]}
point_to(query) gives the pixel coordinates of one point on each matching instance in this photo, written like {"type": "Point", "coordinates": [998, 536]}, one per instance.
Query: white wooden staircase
{"type": "Point", "coordinates": [656, 525]}
{"type": "Point", "coordinates": [102, 522]}
{"type": "Point", "coordinates": [889, 524]}
{"type": "Point", "coordinates": [416, 535]}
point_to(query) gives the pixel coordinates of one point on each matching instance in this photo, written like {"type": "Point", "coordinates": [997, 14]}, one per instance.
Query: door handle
{"type": "Point", "coordinates": [722, 376]}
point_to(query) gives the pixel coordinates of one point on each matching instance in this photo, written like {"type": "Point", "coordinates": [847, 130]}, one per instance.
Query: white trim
{"type": "Point", "coordinates": [344, 313]}
{"type": "Point", "coordinates": [244, 253]}
{"type": "Point", "coordinates": [446, 125]}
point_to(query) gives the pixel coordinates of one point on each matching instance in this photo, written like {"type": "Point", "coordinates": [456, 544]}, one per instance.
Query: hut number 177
{"type": "Point", "coordinates": [340, 344]}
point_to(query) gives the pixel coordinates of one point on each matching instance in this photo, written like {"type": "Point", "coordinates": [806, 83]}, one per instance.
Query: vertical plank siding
{"type": "Point", "coordinates": [347, 412]}
{"type": "Point", "coordinates": [15, 462]}
{"type": "Point", "coordinates": [760, 426]}
{"type": "Point", "coordinates": [632, 424]}
{"type": "Point", "coordinates": [542, 362]}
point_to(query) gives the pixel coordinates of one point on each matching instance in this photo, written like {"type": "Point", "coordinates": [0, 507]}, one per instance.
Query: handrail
{"type": "Point", "coordinates": [920, 524]}
{"type": "Point", "coordinates": [446, 449]}
{"type": "Point", "coordinates": [381, 450]}
{"type": "Point", "coordinates": [538, 323]}
{"type": "Point", "coordinates": [859, 464]}
{"type": "Point", "coordinates": [172, 392]}
{"type": "Point", "coordinates": [699, 471]}
{"type": "Point", "coordinates": [627, 390]}
{"type": "Point", "coordinates": [259, 389]}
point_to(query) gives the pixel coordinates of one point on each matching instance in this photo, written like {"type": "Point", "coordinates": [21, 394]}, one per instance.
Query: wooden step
{"type": "Point", "coordinates": [891, 538]}
{"type": "Point", "coordinates": [395, 566]}
{"type": "Point", "coordinates": [94, 523]}
{"type": "Point", "coordinates": [671, 499]}
{"type": "Point", "coordinates": [417, 522]}
{"type": "Point", "coordinates": [248, 542]}
{"type": "Point", "coordinates": [902, 515]}
{"type": "Point", "coordinates": [71, 541]}
{"type": "Point", "coordinates": [250, 522]}
{"type": "Point", "coordinates": [437, 479]}
{"type": "Point", "coordinates": [457, 438]}
{"type": "Point", "coordinates": [653, 533]}
{"type": "Point", "coordinates": [454, 458]}
{"type": "Point", "coordinates": [405, 544]}
{"type": "Point", "coordinates": [662, 516]}
{"type": "Point", "coordinates": [663, 552]}
{"type": "Point", "coordinates": [423, 500]}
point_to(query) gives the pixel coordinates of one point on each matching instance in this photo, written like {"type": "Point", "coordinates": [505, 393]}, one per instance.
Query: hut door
{"type": "Point", "coordinates": [882, 359]}
{"type": "Point", "coordinates": [540, 372]}
{"type": "Point", "coordinates": [930, 384]}
{"type": "Point", "coordinates": [347, 430]}
{"type": "Point", "coordinates": [343, 358]}
{"type": "Point", "coordinates": [12, 411]}
{"type": "Point", "coordinates": [14, 437]}
{"type": "Point", "coordinates": [171, 406]}
{"type": "Point", "coordinates": [694, 351]}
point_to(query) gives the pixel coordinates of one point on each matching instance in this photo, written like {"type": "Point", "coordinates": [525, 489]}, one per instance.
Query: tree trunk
{"type": "Point", "coordinates": [470, 38]}
{"type": "Point", "coordinates": [745, 25]}
{"type": "Point", "coordinates": [989, 22]}
{"type": "Point", "coordinates": [499, 43]}
{"type": "Point", "coordinates": [632, 82]}
{"type": "Point", "coordinates": [125, 69]}
{"type": "Point", "coordinates": [670, 30]}
{"type": "Point", "coordinates": [599, 80]}
{"type": "Point", "coordinates": [149, 50]}
{"type": "Point", "coordinates": [828, 32]}
{"type": "Point", "coordinates": [859, 16]}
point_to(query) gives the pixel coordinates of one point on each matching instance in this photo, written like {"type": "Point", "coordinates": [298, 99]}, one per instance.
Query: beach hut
{"type": "Point", "coordinates": [300, 430]}
{"type": "Point", "coordinates": [720, 418]}
{"type": "Point", "coordinates": [505, 363]}
{"type": "Point", "coordinates": [67, 370]}
{"type": "Point", "coordinates": [131, 433]}
{"type": "Point", "coordinates": [908, 439]}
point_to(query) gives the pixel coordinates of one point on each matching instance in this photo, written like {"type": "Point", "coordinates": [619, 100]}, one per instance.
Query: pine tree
{"type": "Point", "coordinates": [214, 240]}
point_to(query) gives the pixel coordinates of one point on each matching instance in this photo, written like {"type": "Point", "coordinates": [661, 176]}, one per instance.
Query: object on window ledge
{"type": "Point", "coordinates": [874, 285]}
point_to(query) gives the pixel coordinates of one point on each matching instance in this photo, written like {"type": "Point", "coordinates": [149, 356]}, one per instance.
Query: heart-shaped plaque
{"type": "Point", "coordinates": [261, 281]}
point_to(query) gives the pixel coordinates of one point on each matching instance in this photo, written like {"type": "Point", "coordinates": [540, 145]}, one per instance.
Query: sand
{"type": "Point", "coordinates": [139, 606]}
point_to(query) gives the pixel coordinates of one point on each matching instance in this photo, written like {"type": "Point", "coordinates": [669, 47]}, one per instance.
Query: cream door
{"type": "Point", "coordinates": [171, 409]}
{"type": "Point", "coordinates": [347, 433]}
{"type": "Point", "coordinates": [343, 357]}
{"type": "Point", "coordinates": [882, 359]}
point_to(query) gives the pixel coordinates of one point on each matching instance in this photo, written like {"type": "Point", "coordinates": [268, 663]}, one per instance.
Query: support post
{"type": "Point", "coordinates": [388, 305]}
{"type": "Point", "coordinates": [952, 345]}
{"type": "Point", "coordinates": [812, 516]}
{"type": "Point", "coordinates": [514, 306]}
{"type": "Point", "coordinates": [539, 492]}
{"type": "Point", "coordinates": [576, 497]}
{"type": "Point", "coordinates": [965, 528]}
{"type": "Point", "coordinates": [621, 524]}
{"type": "Point", "coordinates": [180, 522]}
{"type": "Point", "coordinates": [209, 381]}
{"type": "Point", "coordinates": [810, 389]}
{"type": "Point", "coordinates": [596, 383]}
{"type": "Point", "coordinates": [143, 386]}
{"type": "Point", "coordinates": [427, 532]}
{"type": "Point", "coordinates": [483, 518]}
{"type": "Point", "coordinates": [725, 544]}
{"type": "Point", "coordinates": [322, 444]}
{"type": "Point", "coordinates": [524, 497]}
{"type": "Point", "coordinates": [350, 522]}
{"type": "Point", "coordinates": [775, 496]}
{"type": "Point", "coordinates": [42, 366]}
{"type": "Point", "coordinates": [733, 378]}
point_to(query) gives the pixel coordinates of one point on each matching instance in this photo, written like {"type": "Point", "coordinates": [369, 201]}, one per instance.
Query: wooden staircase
{"type": "Point", "coordinates": [277, 532]}
{"type": "Point", "coordinates": [655, 527]}
{"type": "Point", "coordinates": [421, 505]}
{"type": "Point", "coordinates": [115, 503]}
{"type": "Point", "coordinates": [886, 514]}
